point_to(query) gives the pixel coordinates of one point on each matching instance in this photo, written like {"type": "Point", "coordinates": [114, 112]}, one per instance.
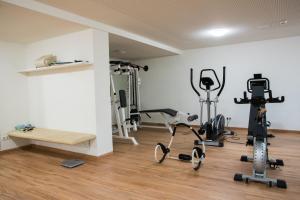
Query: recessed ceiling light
{"type": "Point", "coordinates": [219, 32]}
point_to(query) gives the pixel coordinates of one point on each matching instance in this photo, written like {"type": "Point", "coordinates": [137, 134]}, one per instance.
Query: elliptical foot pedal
{"type": "Point", "coordinates": [221, 144]}
{"type": "Point", "coordinates": [201, 131]}
{"type": "Point", "coordinates": [72, 163]}
{"type": "Point", "coordinates": [279, 162]}
{"type": "Point", "coordinates": [275, 163]}
{"type": "Point", "coordinates": [238, 177]}
{"type": "Point", "coordinates": [281, 184]}
{"type": "Point", "coordinates": [231, 133]}
{"type": "Point", "coordinates": [244, 158]}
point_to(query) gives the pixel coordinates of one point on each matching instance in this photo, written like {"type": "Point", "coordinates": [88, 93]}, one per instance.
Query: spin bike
{"type": "Point", "coordinates": [214, 127]}
{"type": "Point", "coordinates": [257, 132]}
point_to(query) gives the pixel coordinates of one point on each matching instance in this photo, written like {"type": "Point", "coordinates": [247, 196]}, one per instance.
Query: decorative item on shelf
{"type": "Point", "coordinates": [45, 61]}
{"type": "Point", "coordinates": [63, 63]}
{"type": "Point", "coordinates": [24, 127]}
{"type": "Point", "coordinates": [57, 66]}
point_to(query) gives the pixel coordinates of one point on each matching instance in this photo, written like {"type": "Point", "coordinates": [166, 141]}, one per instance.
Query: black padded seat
{"type": "Point", "coordinates": [168, 111]}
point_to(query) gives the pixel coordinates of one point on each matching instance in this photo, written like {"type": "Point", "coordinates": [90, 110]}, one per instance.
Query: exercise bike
{"type": "Point", "coordinates": [197, 156]}
{"type": "Point", "coordinates": [214, 128]}
{"type": "Point", "coordinates": [257, 132]}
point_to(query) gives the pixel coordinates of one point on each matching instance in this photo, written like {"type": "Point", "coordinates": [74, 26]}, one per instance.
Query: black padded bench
{"type": "Point", "coordinates": [168, 111]}
{"type": "Point", "coordinates": [168, 115]}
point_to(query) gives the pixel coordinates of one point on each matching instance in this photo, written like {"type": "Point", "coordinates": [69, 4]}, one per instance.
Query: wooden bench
{"type": "Point", "coordinates": [56, 136]}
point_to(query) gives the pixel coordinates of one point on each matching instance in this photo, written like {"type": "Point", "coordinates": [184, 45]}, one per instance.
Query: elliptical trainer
{"type": "Point", "coordinates": [214, 127]}
{"type": "Point", "coordinates": [257, 132]}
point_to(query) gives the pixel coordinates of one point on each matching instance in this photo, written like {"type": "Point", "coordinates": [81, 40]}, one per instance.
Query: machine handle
{"type": "Point", "coordinates": [192, 82]}
{"type": "Point", "coordinates": [123, 101]}
{"type": "Point", "coordinates": [276, 100]}
{"type": "Point", "coordinates": [192, 118]}
{"type": "Point", "coordinates": [223, 81]}
{"type": "Point", "coordinates": [241, 101]}
{"type": "Point", "coordinates": [215, 74]}
{"type": "Point", "coordinates": [245, 100]}
{"type": "Point", "coordinates": [145, 68]}
{"type": "Point", "coordinates": [121, 63]}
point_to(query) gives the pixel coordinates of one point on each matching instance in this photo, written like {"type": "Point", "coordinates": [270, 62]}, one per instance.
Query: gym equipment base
{"type": "Point", "coordinates": [217, 143]}
{"type": "Point", "coordinates": [130, 139]}
{"type": "Point", "coordinates": [273, 163]}
{"type": "Point", "coordinates": [270, 182]}
{"type": "Point", "coordinates": [72, 163]}
{"type": "Point", "coordinates": [214, 143]}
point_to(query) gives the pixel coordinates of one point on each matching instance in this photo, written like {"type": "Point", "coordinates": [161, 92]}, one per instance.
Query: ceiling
{"type": "Point", "coordinates": [180, 23]}
{"type": "Point", "coordinates": [127, 49]}
{"type": "Point", "coordinates": [26, 26]}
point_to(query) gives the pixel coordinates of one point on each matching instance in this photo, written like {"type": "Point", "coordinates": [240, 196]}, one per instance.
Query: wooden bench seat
{"type": "Point", "coordinates": [55, 136]}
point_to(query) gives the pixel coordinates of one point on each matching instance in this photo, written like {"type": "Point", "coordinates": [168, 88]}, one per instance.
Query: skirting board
{"type": "Point", "coordinates": [230, 127]}
{"type": "Point", "coordinates": [57, 152]}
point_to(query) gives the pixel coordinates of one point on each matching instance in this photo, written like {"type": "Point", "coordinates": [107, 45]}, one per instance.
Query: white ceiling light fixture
{"type": "Point", "coordinates": [216, 32]}
{"type": "Point", "coordinates": [219, 32]}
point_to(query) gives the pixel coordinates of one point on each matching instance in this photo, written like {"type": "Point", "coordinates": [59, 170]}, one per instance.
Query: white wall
{"type": "Point", "coordinates": [67, 101]}
{"type": "Point", "coordinates": [102, 92]}
{"type": "Point", "coordinates": [63, 101]}
{"type": "Point", "coordinates": [13, 92]}
{"type": "Point", "coordinates": [167, 84]}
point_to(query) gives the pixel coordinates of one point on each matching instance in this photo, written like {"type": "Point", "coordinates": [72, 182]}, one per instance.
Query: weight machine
{"type": "Point", "coordinates": [126, 106]}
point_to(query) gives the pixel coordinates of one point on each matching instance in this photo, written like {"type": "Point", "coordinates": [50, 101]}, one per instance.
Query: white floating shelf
{"type": "Point", "coordinates": [53, 68]}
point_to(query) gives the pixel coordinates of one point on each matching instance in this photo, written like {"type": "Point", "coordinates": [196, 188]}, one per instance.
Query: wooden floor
{"type": "Point", "coordinates": [131, 173]}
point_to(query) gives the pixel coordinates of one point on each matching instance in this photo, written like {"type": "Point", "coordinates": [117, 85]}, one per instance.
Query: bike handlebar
{"type": "Point", "coordinates": [245, 100]}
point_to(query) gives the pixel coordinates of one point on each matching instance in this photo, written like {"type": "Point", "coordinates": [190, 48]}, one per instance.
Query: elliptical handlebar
{"type": "Point", "coordinates": [223, 81]}
{"type": "Point", "coordinates": [192, 82]}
